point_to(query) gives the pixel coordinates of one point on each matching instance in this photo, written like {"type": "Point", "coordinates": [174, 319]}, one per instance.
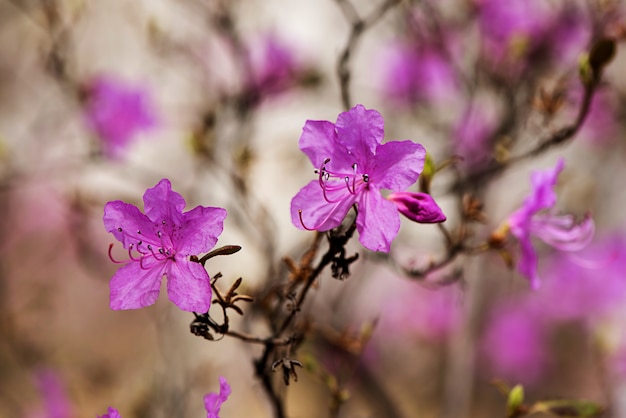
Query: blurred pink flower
{"type": "Point", "coordinates": [586, 285]}
{"type": "Point", "coordinates": [273, 66]}
{"type": "Point", "coordinates": [416, 74]}
{"type": "Point", "coordinates": [165, 238]}
{"type": "Point", "coordinates": [514, 344]}
{"type": "Point", "coordinates": [213, 401]}
{"type": "Point", "coordinates": [405, 308]}
{"type": "Point", "coordinates": [116, 111]}
{"type": "Point", "coordinates": [516, 30]}
{"type": "Point", "coordinates": [55, 401]}
{"type": "Point", "coordinates": [559, 231]}
{"type": "Point", "coordinates": [111, 413]}
{"type": "Point", "coordinates": [473, 134]}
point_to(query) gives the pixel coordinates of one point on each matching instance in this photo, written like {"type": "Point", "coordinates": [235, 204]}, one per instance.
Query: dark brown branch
{"type": "Point", "coordinates": [358, 27]}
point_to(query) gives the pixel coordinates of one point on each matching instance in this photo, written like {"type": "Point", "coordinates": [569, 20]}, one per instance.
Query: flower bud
{"type": "Point", "coordinates": [418, 207]}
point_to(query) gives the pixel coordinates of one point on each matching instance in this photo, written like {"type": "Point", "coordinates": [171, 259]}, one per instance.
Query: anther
{"type": "Point", "coordinates": [163, 221]}
{"type": "Point", "coordinates": [327, 160]}
{"type": "Point", "coordinates": [120, 230]}
{"type": "Point", "coordinates": [159, 234]}
{"type": "Point", "coordinates": [366, 178]}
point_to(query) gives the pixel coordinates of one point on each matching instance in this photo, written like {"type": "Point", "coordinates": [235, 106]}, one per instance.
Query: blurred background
{"type": "Point", "coordinates": [100, 100]}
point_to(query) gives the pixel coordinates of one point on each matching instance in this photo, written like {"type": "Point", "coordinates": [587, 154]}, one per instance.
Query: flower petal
{"type": "Point", "coordinates": [361, 131]}
{"type": "Point", "coordinates": [543, 195]}
{"type": "Point", "coordinates": [188, 285]}
{"type": "Point", "coordinates": [378, 221]}
{"type": "Point", "coordinates": [319, 142]}
{"type": "Point", "coordinates": [120, 215]}
{"type": "Point", "coordinates": [136, 285]}
{"type": "Point", "coordinates": [563, 232]}
{"type": "Point", "coordinates": [213, 401]}
{"type": "Point", "coordinates": [317, 213]}
{"type": "Point", "coordinates": [161, 203]}
{"type": "Point", "coordinates": [199, 231]}
{"type": "Point", "coordinates": [418, 207]}
{"type": "Point", "coordinates": [398, 164]}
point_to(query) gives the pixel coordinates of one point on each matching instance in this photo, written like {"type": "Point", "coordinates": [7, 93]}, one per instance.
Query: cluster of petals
{"type": "Point", "coordinates": [116, 111]}
{"type": "Point", "coordinates": [352, 167]}
{"type": "Point", "coordinates": [160, 243]}
{"type": "Point", "coordinates": [536, 217]}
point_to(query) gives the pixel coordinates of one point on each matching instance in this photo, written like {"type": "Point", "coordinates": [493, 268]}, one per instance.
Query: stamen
{"type": "Point", "coordinates": [130, 254]}
{"type": "Point", "coordinates": [315, 228]}
{"type": "Point", "coordinates": [113, 259]}
{"type": "Point", "coordinates": [119, 230]}
{"type": "Point", "coordinates": [366, 178]}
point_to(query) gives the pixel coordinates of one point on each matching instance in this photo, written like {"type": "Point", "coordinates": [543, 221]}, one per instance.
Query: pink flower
{"type": "Point", "coordinates": [163, 240]}
{"type": "Point", "coordinates": [116, 111]}
{"type": "Point", "coordinates": [111, 413]}
{"type": "Point", "coordinates": [515, 345]}
{"type": "Point", "coordinates": [559, 231]}
{"type": "Point", "coordinates": [353, 166]}
{"type": "Point", "coordinates": [473, 134]}
{"type": "Point", "coordinates": [213, 401]}
{"type": "Point", "coordinates": [415, 74]}
{"type": "Point", "coordinates": [274, 68]}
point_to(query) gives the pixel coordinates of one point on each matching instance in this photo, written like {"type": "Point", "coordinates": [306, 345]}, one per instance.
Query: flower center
{"type": "Point", "coordinates": [333, 181]}
{"type": "Point", "coordinates": [148, 248]}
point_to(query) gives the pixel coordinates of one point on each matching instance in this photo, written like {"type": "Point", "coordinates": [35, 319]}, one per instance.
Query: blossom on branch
{"type": "Point", "coordinates": [352, 167]}
{"type": "Point", "coordinates": [213, 401]}
{"type": "Point", "coordinates": [560, 231]}
{"type": "Point", "coordinates": [116, 111]}
{"type": "Point", "coordinates": [162, 242]}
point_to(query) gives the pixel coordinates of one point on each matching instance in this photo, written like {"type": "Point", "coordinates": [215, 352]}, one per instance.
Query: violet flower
{"type": "Point", "coordinates": [473, 132]}
{"type": "Point", "coordinates": [213, 401]}
{"type": "Point", "coordinates": [116, 111]}
{"type": "Point", "coordinates": [418, 207]}
{"type": "Point", "coordinates": [160, 243]}
{"type": "Point", "coordinates": [515, 345]}
{"type": "Point", "coordinates": [274, 68]}
{"type": "Point", "coordinates": [353, 166]}
{"type": "Point", "coordinates": [111, 413]}
{"type": "Point", "coordinates": [561, 232]}
{"type": "Point", "coordinates": [416, 74]}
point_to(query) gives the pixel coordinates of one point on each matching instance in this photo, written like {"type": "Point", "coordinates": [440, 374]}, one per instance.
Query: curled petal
{"type": "Point", "coordinates": [418, 207]}
{"type": "Point", "coordinates": [378, 221]}
{"type": "Point", "coordinates": [136, 285]}
{"type": "Point", "coordinates": [563, 232]}
{"type": "Point", "coordinates": [316, 212]}
{"type": "Point", "coordinates": [188, 285]}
